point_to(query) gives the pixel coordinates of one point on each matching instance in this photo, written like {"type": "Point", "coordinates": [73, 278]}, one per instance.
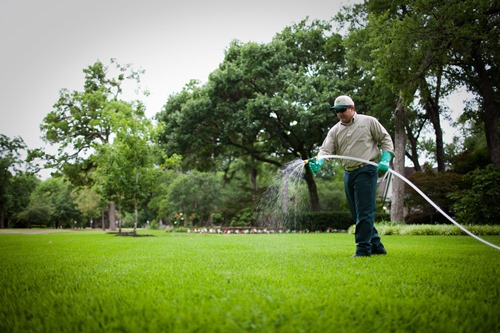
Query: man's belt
{"type": "Point", "coordinates": [355, 167]}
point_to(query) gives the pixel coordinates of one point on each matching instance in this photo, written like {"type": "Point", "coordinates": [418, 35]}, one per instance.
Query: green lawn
{"type": "Point", "coordinates": [97, 282]}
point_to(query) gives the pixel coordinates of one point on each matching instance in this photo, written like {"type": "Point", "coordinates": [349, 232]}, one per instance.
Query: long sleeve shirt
{"type": "Point", "coordinates": [364, 137]}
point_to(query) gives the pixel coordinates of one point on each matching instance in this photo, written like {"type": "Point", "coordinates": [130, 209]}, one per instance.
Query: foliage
{"type": "Point", "coordinates": [259, 283]}
{"type": "Point", "coordinates": [125, 167]}
{"type": "Point", "coordinates": [431, 48]}
{"type": "Point", "coordinates": [257, 97]}
{"type": "Point", "coordinates": [437, 186]}
{"type": "Point", "coordinates": [51, 204]}
{"type": "Point", "coordinates": [38, 212]}
{"type": "Point", "coordinates": [89, 203]}
{"type": "Point", "coordinates": [158, 202]}
{"type": "Point", "coordinates": [330, 181]}
{"type": "Point", "coordinates": [327, 221]}
{"type": "Point", "coordinates": [477, 202]}
{"type": "Point", "coordinates": [244, 218]}
{"type": "Point", "coordinates": [10, 154]}
{"type": "Point", "coordinates": [82, 120]}
{"type": "Point", "coordinates": [84, 124]}
{"type": "Point", "coordinates": [243, 185]}
{"type": "Point", "coordinates": [323, 221]}
{"type": "Point", "coordinates": [474, 153]}
{"type": "Point", "coordinates": [19, 189]}
{"type": "Point", "coordinates": [195, 193]}
{"type": "Point", "coordinates": [266, 103]}
{"type": "Point", "coordinates": [12, 163]}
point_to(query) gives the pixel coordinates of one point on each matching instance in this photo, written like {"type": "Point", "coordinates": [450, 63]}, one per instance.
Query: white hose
{"type": "Point", "coordinates": [419, 192]}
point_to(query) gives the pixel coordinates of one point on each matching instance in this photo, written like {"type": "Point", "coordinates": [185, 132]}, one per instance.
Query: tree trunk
{"type": "Point", "coordinates": [253, 181]}
{"type": "Point", "coordinates": [103, 224]}
{"type": "Point", "coordinates": [313, 190]}
{"type": "Point", "coordinates": [431, 105]}
{"type": "Point", "coordinates": [491, 107]}
{"type": "Point", "coordinates": [413, 132]}
{"type": "Point", "coordinates": [136, 215]}
{"type": "Point", "coordinates": [398, 189]}
{"type": "Point", "coordinates": [112, 216]}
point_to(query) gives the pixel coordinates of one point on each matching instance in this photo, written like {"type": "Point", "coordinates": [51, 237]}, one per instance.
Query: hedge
{"type": "Point", "coordinates": [326, 220]}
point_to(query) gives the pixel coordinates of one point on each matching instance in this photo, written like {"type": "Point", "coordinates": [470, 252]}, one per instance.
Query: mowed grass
{"type": "Point", "coordinates": [97, 282]}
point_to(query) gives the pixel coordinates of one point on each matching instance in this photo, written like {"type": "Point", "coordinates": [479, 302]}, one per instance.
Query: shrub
{"type": "Point", "coordinates": [322, 221]}
{"type": "Point", "coordinates": [437, 186]}
{"type": "Point", "coordinates": [325, 220]}
{"type": "Point", "coordinates": [428, 217]}
{"type": "Point", "coordinates": [478, 202]}
{"type": "Point", "coordinates": [243, 219]}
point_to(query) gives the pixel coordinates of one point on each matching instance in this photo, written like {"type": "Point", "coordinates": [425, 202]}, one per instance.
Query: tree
{"type": "Point", "coordinates": [9, 158]}
{"type": "Point", "coordinates": [82, 121]}
{"type": "Point", "coordinates": [89, 203]}
{"type": "Point", "coordinates": [408, 44]}
{"type": "Point", "coordinates": [369, 46]}
{"type": "Point", "coordinates": [124, 167]}
{"type": "Point", "coordinates": [52, 205]}
{"type": "Point", "coordinates": [196, 194]}
{"type": "Point", "coordinates": [446, 44]}
{"type": "Point", "coordinates": [475, 153]}
{"type": "Point", "coordinates": [13, 163]}
{"type": "Point", "coordinates": [267, 102]}
{"type": "Point", "coordinates": [473, 30]}
{"type": "Point", "coordinates": [19, 189]}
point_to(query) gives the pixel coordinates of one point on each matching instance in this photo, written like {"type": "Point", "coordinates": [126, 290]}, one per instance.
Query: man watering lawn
{"type": "Point", "coordinates": [360, 136]}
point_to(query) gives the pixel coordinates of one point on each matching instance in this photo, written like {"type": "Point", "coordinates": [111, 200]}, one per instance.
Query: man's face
{"type": "Point", "coordinates": [345, 115]}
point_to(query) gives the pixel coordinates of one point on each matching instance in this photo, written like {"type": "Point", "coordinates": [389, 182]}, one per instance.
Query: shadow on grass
{"type": "Point", "coordinates": [129, 234]}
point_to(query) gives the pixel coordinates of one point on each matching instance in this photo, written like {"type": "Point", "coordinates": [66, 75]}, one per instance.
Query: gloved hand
{"type": "Point", "coordinates": [315, 164]}
{"type": "Point", "coordinates": [383, 165]}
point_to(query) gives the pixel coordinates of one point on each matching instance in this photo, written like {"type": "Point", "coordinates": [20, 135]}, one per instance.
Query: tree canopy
{"type": "Point", "coordinates": [267, 102]}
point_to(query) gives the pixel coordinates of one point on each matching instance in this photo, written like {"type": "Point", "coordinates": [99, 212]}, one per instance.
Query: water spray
{"type": "Point", "coordinates": [416, 189]}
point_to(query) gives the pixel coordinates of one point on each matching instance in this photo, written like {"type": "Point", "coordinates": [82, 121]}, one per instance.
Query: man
{"type": "Point", "coordinates": [360, 136]}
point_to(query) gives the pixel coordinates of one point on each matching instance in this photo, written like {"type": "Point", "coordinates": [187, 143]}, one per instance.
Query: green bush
{"type": "Point", "coordinates": [430, 216]}
{"type": "Point", "coordinates": [437, 186]}
{"type": "Point", "coordinates": [478, 202]}
{"type": "Point", "coordinates": [243, 219]}
{"type": "Point", "coordinates": [153, 225]}
{"type": "Point", "coordinates": [323, 221]}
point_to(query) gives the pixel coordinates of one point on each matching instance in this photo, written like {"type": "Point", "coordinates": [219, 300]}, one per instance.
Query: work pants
{"type": "Point", "coordinates": [360, 189]}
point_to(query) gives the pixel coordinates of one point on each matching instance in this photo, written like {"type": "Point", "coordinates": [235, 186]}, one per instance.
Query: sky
{"type": "Point", "coordinates": [45, 45]}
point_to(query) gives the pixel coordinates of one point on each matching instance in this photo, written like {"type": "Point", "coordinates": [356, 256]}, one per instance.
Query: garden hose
{"type": "Point", "coordinates": [340, 157]}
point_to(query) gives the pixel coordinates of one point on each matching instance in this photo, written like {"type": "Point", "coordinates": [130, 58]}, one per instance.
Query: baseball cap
{"type": "Point", "coordinates": [341, 102]}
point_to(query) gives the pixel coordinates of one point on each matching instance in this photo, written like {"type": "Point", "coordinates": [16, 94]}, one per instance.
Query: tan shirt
{"type": "Point", "coordinates": [363, 138]}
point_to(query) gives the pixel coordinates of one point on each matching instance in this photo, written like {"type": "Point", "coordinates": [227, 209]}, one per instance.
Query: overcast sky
{"type": "Point", "coordinates": [45, 45]}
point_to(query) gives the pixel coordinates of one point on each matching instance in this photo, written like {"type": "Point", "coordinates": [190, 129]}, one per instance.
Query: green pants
{"type": "Point", "coordinates": [360, 188]}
